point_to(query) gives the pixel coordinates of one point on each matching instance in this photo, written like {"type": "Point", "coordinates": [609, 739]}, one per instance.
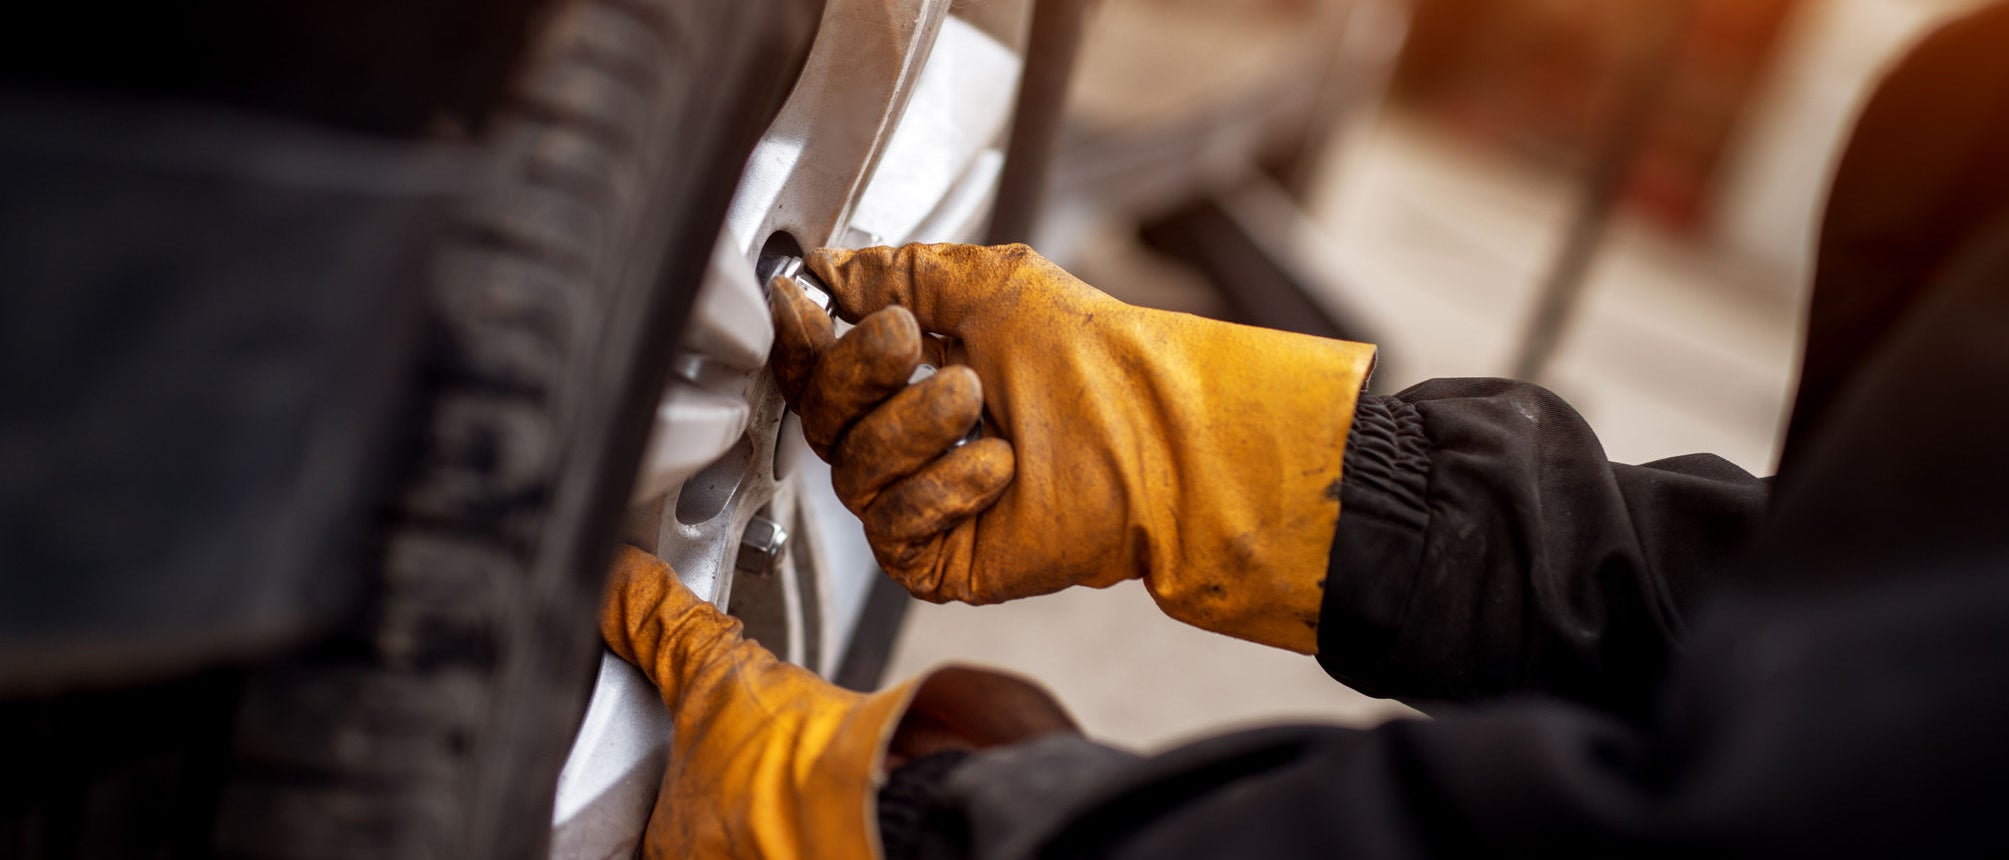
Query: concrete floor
{"type": "Point", "coordinates": [1439, 249]}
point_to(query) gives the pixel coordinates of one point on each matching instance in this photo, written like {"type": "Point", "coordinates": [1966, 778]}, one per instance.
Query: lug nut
{"type": "Point", "coordinates": [761, 545]}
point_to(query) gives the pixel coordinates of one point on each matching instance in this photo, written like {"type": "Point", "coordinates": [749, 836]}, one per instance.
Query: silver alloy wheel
{"type": "Point", "coordinates": [894, 133]}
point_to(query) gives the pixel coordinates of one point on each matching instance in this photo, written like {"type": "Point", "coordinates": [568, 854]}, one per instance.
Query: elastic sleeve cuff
{"type": "Point", "coordinates": [1000, 802]}
{"type": "Point", "coordinates": [1377, 550]}
{"type": "Point", "coordinates": [1387, 462]}
{"type": "Point", "coordinates": [912, 818]}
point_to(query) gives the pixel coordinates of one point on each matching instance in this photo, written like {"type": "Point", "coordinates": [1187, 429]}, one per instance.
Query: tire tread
{"type": "Point", "coordinates": [364, 747]}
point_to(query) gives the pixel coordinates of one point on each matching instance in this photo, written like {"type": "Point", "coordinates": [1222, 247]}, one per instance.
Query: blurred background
{"type": "Point", "coordinates": [1614, 199]}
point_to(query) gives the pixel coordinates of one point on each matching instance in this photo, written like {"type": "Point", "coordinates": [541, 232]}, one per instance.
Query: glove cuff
{"type": "Point", "coordinates": [978, 707]}
{"type": "Point", "coordinates": [1253, 546]}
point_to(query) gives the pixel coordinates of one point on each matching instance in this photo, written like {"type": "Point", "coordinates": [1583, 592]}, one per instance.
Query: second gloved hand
{"type": "Point", "coordinates": [1121, 442]}
{"type": "Point", "coordinates": [769, 761]}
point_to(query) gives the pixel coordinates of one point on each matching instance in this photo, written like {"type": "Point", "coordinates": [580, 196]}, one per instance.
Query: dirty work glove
{"type": "Point", "coordinates": [768, 760]}
{"type": "Point", "coordinates": [1121, 442]}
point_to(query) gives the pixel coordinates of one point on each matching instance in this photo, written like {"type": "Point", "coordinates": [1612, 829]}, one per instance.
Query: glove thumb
{"type": "Point", "coordinates": [649, 618]}
{"type": "Point", "coordinates": [943, 285]}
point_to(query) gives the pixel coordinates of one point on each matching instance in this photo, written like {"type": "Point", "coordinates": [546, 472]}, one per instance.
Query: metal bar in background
{"type": "Point", "coordinates": [863, 665]}
{"type": "Point", "coordinates": [1369, 35]}
{"type": "Point", "coordinates": [1239, 247]}
{"type": "Point", "coordinates": [1640, 93]}
{"type": "Point", "coordinates": [1042, 104]}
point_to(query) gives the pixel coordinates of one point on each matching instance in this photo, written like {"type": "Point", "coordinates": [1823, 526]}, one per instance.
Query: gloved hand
{"type": "Point", "coordinates": [767, 759]}
{"type": "Point", "coordinates": [1121, 442]}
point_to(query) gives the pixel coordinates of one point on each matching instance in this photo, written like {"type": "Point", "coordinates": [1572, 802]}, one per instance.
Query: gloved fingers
{"type": "Point", "coordinates": [905, 433]}
{"type": "Point", "coordinates": [651, 619]}
{"type": "Point", "coordinates": [941, 284]}
{"type": "Point", "coordinates": [868, 364]}
{"type": "Point", "coordinates": [956, 486]}
{"type": "Point", "coordinates": [920, 566]}
{"type": "Point", "coordinates": [936, 568]}
{"type": "Point", "coordinates": [802, 333]}
{"type": "Point", "coordinates": [860, 279]}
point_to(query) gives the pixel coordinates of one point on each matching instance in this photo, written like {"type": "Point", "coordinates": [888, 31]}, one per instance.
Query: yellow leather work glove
{"type": "Point", "coordinates": [768, 760]}
{"type": "Point", "coordinates": [1121, 442]}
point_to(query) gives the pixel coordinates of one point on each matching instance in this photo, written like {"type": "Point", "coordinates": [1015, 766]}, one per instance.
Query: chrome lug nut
{"type": "Point", "coordinates": [761, 545]}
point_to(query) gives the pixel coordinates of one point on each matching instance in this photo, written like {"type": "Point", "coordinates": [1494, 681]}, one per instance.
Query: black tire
{"type": "Point", "coordinates": [436, 724]}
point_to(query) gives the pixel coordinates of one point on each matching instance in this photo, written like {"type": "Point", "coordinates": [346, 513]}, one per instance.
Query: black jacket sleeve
{"type": "Point", "coordinates": [1486, 546]}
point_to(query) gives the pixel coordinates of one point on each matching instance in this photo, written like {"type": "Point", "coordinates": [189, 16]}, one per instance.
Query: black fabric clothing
{"type": "Point", "coordinates": [1486, 546]}
{"type": "Point", "coordinates": [1927, 165]}
{"type": "Point", "coordinates": [1669, 659]}
{"type": "Point", "coordinates": [915, 818]}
